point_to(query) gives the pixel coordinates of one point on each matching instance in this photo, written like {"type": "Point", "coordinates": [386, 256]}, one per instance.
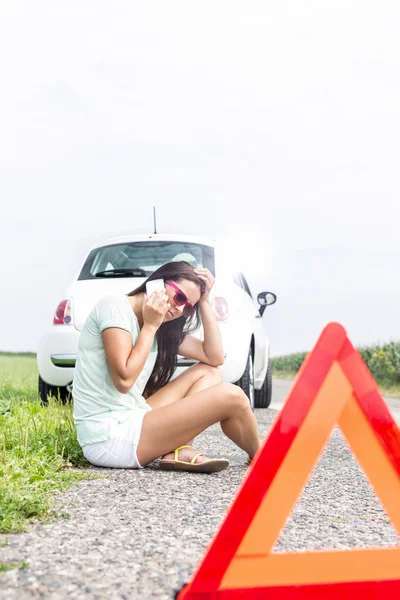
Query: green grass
{"type": "Point", "coordinates": [9, 566]}
{"type": "Point", "coordinates": [39, 452]}
{"type": "Point", "coordinates": [382, 360]}
{"type": "Point", "coordinates": [16, 354]}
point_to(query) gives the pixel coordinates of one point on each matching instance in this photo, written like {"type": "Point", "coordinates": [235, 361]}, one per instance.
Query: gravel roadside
{"type": "Point", "coordinates": [140, 534]}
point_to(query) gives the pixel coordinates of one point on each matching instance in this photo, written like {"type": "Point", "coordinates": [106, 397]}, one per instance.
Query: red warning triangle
{"type": "Point", "coordinates": [333, 387]}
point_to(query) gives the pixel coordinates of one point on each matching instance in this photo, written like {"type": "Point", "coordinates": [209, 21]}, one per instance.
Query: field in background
{"type": "Point", "coordinates": [383, 362]}
{"type": "Point", "coordinates": [39, 453]}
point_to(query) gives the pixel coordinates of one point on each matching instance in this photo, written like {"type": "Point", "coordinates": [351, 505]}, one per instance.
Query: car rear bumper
{"type": "Point", "coordinates": [56, 355]}
{"type": "Point", "coordinates": [61, 370]}
{"type": "Point", "coordinates": [58, 349]}
{"type": "Point", "coordinates": [66, 361]}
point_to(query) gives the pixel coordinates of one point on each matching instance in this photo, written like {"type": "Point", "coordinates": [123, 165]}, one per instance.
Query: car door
{"type": "Point", "coordinates": [260, 334]}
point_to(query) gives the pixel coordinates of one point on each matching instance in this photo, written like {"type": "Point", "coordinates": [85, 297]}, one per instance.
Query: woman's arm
{"type": "Point", "coordinates": [212, 344]}
{"type": "Point", "coordinates": [126, 363]}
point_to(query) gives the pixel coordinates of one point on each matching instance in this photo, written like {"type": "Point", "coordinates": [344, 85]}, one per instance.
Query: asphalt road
{"type": "Point", "coordinates": [141, 534]}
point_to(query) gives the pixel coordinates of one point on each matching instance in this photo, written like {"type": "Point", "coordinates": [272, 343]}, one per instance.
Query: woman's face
{"type": "Point", "coordinates": [191, 291]}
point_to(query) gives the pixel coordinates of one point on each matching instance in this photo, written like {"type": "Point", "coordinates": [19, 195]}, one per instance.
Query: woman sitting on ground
{"type": "Point", "coordinates": [126, 410]}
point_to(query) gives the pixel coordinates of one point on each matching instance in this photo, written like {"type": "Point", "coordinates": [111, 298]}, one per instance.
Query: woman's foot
{"type": "Point", "coordinates": [186, 455]}
{"type": "Point", "coordinates": [173, 461]}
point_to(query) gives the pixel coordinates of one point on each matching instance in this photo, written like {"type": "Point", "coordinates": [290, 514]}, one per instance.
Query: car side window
{"type": "Point", "coordinates": [237, 279]}
{"type": "Point", "coordinates": [245, 285]}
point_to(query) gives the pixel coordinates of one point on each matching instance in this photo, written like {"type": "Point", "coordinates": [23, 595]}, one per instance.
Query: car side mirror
{"type": "Point", "coordinates": [265, 299]}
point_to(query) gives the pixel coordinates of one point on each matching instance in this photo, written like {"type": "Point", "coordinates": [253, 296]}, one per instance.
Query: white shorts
{"type": "Point", "coordinates": [119, 452]}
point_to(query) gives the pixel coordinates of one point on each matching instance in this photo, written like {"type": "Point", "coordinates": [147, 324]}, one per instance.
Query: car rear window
{"type": "Point", "coordinates": [145, 257]}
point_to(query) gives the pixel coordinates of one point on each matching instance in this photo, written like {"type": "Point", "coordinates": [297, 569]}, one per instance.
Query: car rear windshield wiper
{"type": "Point", "coordinates": [122, 273]}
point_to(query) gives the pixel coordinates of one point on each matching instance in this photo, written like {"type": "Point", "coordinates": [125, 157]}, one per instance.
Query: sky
{"type": "Point", "coordinates": [273, 126]}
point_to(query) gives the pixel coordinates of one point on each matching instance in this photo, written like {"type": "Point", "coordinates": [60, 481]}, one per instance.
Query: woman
{"type": "Point", "coordinates": [127, 412]}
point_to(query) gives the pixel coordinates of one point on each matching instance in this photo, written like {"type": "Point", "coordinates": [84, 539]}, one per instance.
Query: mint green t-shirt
{"type": "Point", "coordinates": [98, 405]}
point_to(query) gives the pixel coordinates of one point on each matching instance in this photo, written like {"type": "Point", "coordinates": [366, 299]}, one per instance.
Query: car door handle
{"type": "Point", "coordinates": [257, 316]}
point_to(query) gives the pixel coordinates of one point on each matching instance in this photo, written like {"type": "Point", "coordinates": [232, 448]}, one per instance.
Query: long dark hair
{"type": "Point", "coordinates": [171, 333]}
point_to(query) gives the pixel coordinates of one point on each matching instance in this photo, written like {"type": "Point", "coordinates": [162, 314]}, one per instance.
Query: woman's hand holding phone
{"type": "Point", "coordinates": [155, 308]}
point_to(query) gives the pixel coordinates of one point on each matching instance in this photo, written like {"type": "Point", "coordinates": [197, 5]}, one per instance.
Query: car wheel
{"type": "Point", "coordinates": [264, 395]}
{"type": "Point", "coordinates": [246, 382]}
{"type": "Point", "coordinates": [46, 389]}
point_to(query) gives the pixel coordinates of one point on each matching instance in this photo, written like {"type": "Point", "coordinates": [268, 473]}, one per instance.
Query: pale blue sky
{"type": "Point", "coordinates": [274, 123]}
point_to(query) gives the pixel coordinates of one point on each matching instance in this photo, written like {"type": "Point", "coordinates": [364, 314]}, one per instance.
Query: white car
{"type": "Point", "coordinates": [120, 265]}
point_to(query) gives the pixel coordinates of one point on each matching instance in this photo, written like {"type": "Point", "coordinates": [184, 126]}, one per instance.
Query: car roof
{"type": "Point", "coordinates": [136, 237]}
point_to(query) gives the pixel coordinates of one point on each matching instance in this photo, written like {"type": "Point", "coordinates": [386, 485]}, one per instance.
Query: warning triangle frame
{"type": "Point", "coordinates": [333, 387]}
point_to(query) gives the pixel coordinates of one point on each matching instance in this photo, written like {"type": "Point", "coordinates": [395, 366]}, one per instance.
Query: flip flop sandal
{"type": "Point", "coordinates": [210, 466]}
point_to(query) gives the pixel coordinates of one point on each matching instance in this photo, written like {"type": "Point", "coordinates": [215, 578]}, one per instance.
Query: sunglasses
{"type": "Point", "coordinates": [180, 299]}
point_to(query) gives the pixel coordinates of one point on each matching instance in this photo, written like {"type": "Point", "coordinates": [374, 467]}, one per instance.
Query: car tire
{"type": "Point", "coordinates": [45, 389]}
{"type": "Point", "coordinates": [264, 395]}
{"type": "Point", "coordinates": [246, 382]}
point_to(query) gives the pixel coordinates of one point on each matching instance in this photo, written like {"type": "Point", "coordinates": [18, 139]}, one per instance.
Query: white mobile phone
{"type": "Point", "coordinates": [154, 285]}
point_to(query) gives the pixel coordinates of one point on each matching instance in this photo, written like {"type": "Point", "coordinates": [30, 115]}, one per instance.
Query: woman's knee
{"type": "Point", "coordinates": [235, 396]}
{"type": "Point", "coordinates": [209, 370]}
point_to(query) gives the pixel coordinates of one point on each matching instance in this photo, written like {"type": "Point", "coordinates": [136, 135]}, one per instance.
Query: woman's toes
{"type": "Point", "coordinates": [169, 456]}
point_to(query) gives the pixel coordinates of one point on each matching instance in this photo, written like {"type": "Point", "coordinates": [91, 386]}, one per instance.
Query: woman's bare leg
{"type": "Point", "coordinates": [169, 426]}
{"type": "Point", "coordinates": [198, 377]}
{"type": "Point", "coordinates": [194, 379]}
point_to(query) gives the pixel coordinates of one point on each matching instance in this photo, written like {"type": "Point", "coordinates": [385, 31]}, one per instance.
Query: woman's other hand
{"type": "Point", "coordinates": [155, 308]}
{"type": "Point", "coordinates": [208, 279]}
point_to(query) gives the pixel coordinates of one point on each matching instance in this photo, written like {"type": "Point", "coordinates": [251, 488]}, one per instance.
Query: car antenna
{"type": "Point", "coordinates": [154, 216]}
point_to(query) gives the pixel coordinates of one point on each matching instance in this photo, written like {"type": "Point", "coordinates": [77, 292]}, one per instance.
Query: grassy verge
{"type": "Point", "coordinates": [382, 360]}
{"type": "Point", "coordinates": [391, 391]}
{"type": "Point", "coordinates": [39, 453]}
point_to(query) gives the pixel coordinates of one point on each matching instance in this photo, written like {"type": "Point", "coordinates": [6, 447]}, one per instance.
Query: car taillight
{"type": "Point", "coordinates": [220, 307]}
{"type": "Point", "coordinates": [63, 314]}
